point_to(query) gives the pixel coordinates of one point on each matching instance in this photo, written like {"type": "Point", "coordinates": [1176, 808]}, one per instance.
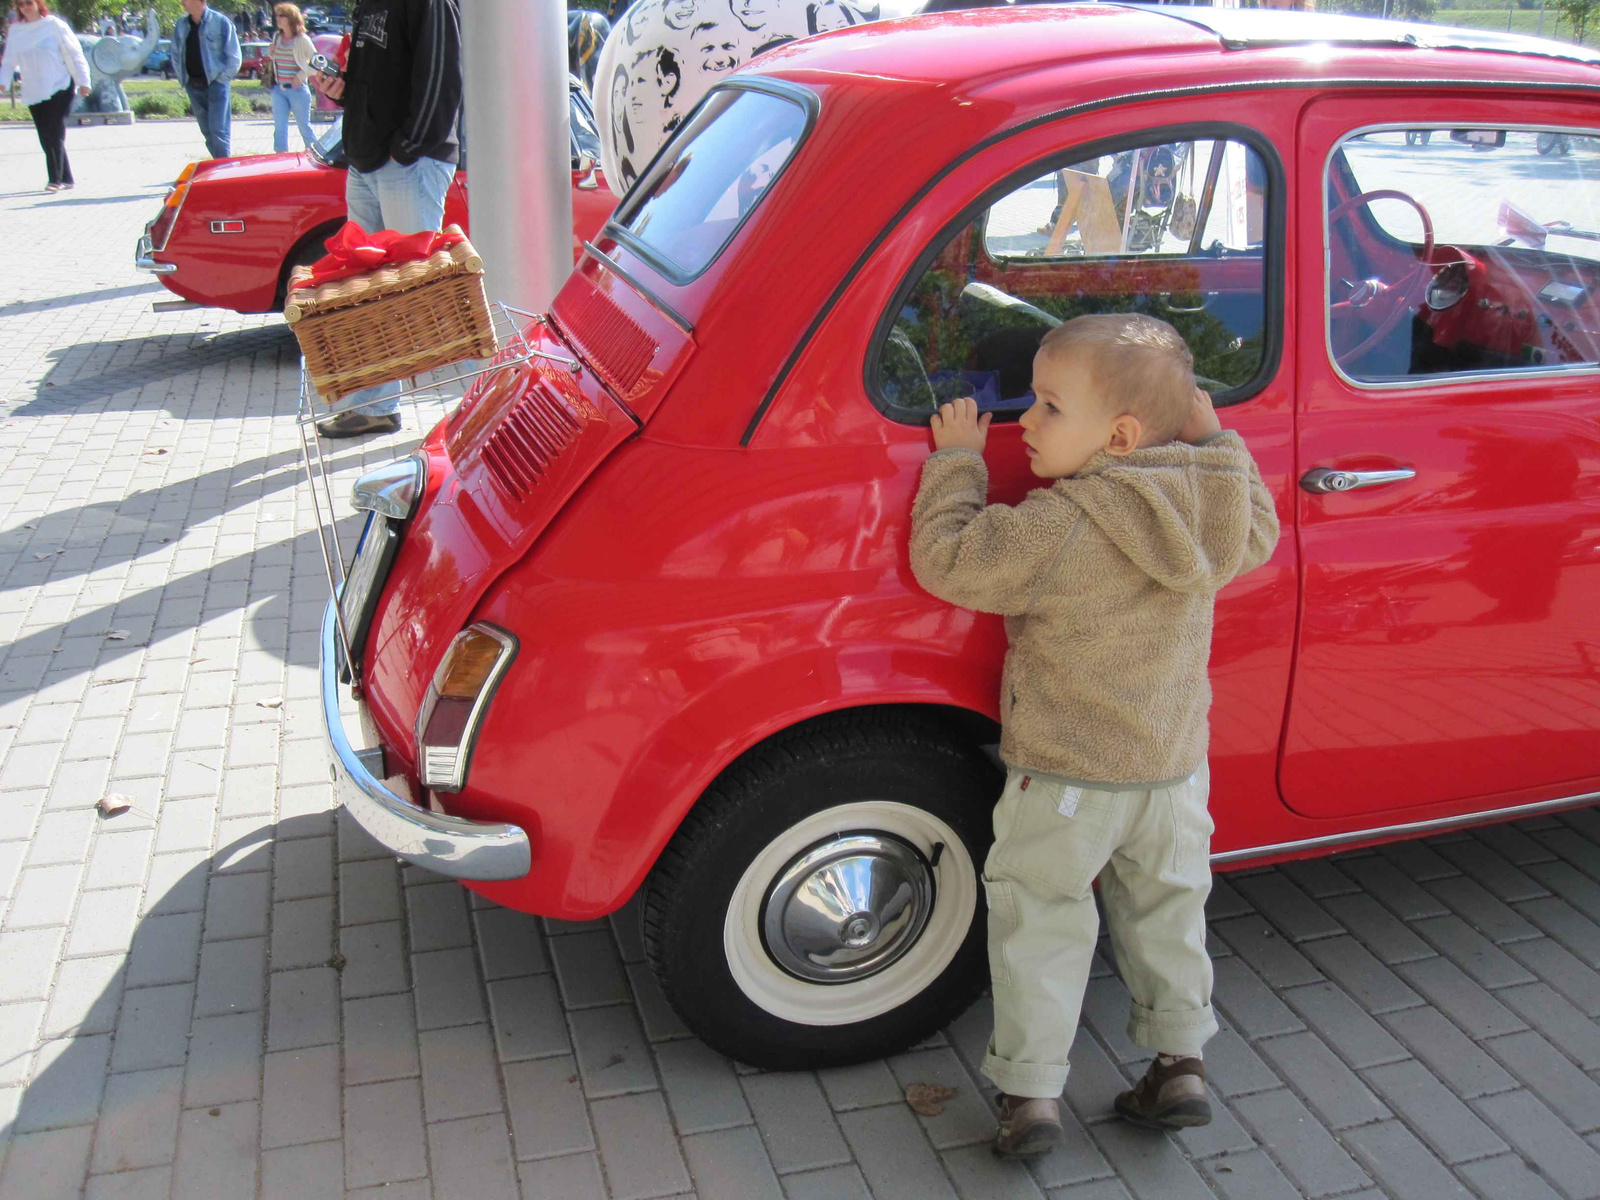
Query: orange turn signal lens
{"type": "Point", "coordinates": [176, 195]}
{"type": "Point", "coordinates": [183, 175]}
{"type": "Point", "coordinates": [467, 664]}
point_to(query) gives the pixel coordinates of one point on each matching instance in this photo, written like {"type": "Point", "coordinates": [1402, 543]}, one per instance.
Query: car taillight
{"type": "Point", "coordinates": [161, 227]}
{"type": "Point", "coordinates": [455, 702]}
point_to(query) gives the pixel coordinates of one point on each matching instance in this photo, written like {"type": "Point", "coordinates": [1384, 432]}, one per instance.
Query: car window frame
{"type": "Point", "coordinates": [1562, 370]}
{"type": "Point", "coordinates": [1274, 250]}
{"type": "Point", "coordinates": [810, 105]}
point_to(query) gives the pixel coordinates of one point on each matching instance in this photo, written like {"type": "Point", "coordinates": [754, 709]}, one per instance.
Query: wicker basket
{"type": "Point", "coordinates": [392, 323]}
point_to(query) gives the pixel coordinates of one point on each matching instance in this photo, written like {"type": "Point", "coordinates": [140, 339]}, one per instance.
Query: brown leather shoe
{"type": "Point", "coordinates": [355, 424]}
{"type": "Point", "coordinates": [1028, 1126]}
{"type": "Point", "coordinates": [1168, 1097]}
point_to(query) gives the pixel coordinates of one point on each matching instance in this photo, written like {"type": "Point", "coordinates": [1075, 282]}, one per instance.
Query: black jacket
{"type": "Point", "coordinates": [402, 90]}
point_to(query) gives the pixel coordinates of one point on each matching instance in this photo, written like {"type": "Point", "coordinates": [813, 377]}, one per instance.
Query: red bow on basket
{"type": "Point", "coordinates": [353, 251]}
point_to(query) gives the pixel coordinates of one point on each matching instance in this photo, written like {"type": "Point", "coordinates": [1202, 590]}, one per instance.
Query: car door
{"type": "Point", "coordinates": [1448, 433]}
{"type": "Point", "coordinates": [1172, 220]}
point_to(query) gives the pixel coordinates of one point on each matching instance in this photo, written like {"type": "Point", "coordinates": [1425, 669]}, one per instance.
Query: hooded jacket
{"type": "Point", "coordinates": [1107, 581]}
{"type": "Point", "coordinates": [402, 90]}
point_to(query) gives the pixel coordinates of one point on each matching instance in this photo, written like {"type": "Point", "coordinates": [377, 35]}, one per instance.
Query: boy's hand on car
{"type": "Point", "coordinates": [1202, 421]}
{"type": "Point", "coordinates": [957, 426]}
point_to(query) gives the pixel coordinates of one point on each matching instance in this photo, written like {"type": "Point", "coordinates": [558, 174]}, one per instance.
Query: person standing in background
{"type": "Point", "coordinates": [205, 58]}
{"type": "Point", "coordinates": [401, 94]}
{"type": "Point", "coordinates": [46, 51]}
{"type": "Point", "coordinates": [290, 58]}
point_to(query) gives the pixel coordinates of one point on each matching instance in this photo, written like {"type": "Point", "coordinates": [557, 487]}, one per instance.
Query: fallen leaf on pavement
{"type": "Point", "coordinates": [274, 702]}
{"type": "Point", "coordinates": [117, 635]}
{"type": "Point", "coordinates": [928, 1098]}
{"type": "Point", "coordinates": [113, 803]}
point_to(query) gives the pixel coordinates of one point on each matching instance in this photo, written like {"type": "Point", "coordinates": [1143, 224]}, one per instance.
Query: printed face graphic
{"type": "Point", "coordinates": [829, 15]}
{"type": "Point", "coordinates": [641, 82]}
{"type": "Point", "coordinates": [753, 14]}
{"type": "Point", "coordinates": [679, 14]}
{"type": "Point", "coordinates": [717, 48]}
{"type": "Point", "coordinates": [619, 100]}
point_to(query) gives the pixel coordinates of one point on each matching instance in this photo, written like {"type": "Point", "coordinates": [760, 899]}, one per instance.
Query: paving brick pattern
{"type": "Point", "coordinates": [230, 991]}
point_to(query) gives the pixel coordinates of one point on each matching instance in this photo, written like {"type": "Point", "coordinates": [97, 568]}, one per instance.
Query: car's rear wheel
{"type": "Point", "coordinates": [821, 904]}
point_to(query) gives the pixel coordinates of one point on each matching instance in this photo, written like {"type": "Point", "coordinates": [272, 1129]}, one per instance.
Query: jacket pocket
{"type": "Point", "coordinates": [1043, 847]}
{"type": "Point", "coordinates": [1003, 923]}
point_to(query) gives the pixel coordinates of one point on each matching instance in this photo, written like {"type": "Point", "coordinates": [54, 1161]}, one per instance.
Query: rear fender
{"type": "Point", "coordinates": [592, 850]}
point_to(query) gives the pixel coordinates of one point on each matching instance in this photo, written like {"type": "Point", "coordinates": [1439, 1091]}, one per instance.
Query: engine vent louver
{"type": "Point", "coordinates": [528, 439]}
{"type": "Point", "coordinates": [611, 340]}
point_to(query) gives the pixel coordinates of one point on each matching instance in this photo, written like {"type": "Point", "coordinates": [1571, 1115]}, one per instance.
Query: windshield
{"type": "Point", "coordinates": [710, 177]}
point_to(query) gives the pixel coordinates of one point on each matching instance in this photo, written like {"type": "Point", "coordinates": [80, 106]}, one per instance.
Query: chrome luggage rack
{"type": "Point", "coordinates": [425, 401]}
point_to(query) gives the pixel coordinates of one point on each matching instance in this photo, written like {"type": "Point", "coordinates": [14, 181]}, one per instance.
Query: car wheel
{"type": "Point", "coordinates": [820, 905]}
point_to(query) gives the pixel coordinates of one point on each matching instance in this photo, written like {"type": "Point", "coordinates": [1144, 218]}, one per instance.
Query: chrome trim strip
{"type": "Point", "coordinates": [1408, 829]}
{"type": "Point", "coordinates": [448, 845]}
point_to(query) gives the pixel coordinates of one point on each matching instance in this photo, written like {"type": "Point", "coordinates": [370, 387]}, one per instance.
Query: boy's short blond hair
{"type": "Point", "coordinates": [1140, 364]}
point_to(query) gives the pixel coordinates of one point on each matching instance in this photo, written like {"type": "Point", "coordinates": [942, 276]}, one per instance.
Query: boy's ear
{"type": "Point", "coordinates": [1126, 432]}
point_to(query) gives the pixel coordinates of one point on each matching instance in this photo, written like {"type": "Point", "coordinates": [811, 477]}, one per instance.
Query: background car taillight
{"type": "Point", "coordinates": [455, 702]}
{"type": "Point", "coordinates": [161, 228]}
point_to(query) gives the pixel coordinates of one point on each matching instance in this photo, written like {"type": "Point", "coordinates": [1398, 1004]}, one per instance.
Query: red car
{"type": "Point", "coordinates": [231, 229]}
{"type": "Point", "coordinates": [640, 615]}
{"type": "Point", "coordinates": [250, 56]}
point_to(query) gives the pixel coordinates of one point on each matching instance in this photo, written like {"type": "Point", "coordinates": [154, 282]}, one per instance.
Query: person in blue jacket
{"type": "Point", "coordinates": [205, 58]}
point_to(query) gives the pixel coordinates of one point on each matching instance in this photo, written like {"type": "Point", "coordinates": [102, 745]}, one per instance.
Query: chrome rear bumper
{"type": "Point", "coordinates": [444, 844]}
{"type": "Point", "coordinates": [143, 261]}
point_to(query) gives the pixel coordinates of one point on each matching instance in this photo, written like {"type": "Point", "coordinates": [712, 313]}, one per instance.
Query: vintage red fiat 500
{"type": "Point", "coordinates": [231, 229]}
{"type": "Point", "coordinates": [639, 614]}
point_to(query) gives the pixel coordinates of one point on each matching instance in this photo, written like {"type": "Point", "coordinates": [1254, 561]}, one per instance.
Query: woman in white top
{"type": "Point", "coordinates": [290, 54]}
{"type": "Point", "coordinates": [47, 52]}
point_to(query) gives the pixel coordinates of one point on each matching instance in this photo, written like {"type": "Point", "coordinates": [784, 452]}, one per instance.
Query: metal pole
{"type": "Point", "coordinates": [518, 159]}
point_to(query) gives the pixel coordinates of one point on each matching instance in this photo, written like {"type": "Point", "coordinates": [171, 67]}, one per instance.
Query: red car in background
{"type": "Point", "coordinates": [231, 229]}
{"type": "Point", "coordinates": [251, 54]}
{"type": "Point", "coordinates": [639, 616]}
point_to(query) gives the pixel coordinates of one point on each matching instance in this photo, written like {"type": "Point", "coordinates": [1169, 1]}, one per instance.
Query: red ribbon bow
{"type": "Point", "coordinates": [353, 251]}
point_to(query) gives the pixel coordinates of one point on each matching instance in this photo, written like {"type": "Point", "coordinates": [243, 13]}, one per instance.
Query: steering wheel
{"type": "Point", "coordinates": [1384, 306]}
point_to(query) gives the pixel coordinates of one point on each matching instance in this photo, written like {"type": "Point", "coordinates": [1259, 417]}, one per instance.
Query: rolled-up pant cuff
{"type": "Point", "coordinates": [1035, 1080]}
{"type": "Point", "coordinates": [1172, 1032]}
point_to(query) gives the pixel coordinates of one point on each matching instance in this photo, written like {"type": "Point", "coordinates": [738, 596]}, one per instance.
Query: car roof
{"type": "Point", "coordinates": [993, 44]}
{"type": "Point", "coordinates": [1247, 29]}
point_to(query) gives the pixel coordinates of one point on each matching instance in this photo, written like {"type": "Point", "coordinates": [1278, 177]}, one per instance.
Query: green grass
{"type": "Point", "coordinates": [155, 99]}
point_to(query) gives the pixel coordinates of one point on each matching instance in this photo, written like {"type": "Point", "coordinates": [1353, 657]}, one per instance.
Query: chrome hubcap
{"type": "Point", "coordinates": [847, 907]}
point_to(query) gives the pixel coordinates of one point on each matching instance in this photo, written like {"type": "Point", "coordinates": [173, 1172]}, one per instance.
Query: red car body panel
{"type": "Point", "coordinates": [722, 551]}
{"type": "Point", "coordinates": [288, 202]}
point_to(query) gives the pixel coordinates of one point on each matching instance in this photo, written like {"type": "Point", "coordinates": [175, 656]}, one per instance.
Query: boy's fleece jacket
{"type": "Point", "coordinates": [1107, 581]}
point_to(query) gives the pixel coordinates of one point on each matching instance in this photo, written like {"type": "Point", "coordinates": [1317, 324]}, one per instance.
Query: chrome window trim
{"type": "Point", "coordinates": [1407, 828]}
{"type": "Point", "coordinates": [1453, 377]}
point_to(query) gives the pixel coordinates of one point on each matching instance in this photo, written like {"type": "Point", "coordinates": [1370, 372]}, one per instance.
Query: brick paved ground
{"type": "Point", "coordinates": [229, 992]}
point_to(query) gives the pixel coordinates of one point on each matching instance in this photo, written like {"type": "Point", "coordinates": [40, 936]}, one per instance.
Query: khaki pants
{"type": "Point", "coordinates": [1152, 853]}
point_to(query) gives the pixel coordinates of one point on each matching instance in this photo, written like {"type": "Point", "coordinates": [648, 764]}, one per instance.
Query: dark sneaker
{"type": "Point", "coordinates": [1028, 1126]}
{"type": "Point", "coordinates": [1168, 1097]}
{"type": "Point", "coordinates": [354, 424]}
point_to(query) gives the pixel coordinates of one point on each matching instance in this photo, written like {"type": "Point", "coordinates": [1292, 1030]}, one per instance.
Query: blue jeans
{"type": "Point", "coordinates": [405, 199]}
{"type": "Point", "coordinates": [284, 101]}
{"type": "Point", "coordinates": [213, 108]}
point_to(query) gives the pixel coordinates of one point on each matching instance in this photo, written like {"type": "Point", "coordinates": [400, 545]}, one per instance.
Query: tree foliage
{"type": "Point", "coordinates": [1409, 10]}
{"type": "Point", "coordinates": [1578, 15]}
{"type": "Point", "coordinates": [80, 14]}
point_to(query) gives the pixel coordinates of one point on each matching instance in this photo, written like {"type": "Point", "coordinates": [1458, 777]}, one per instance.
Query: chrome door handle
{"type": "Point", "coordinates": [1325, 479]}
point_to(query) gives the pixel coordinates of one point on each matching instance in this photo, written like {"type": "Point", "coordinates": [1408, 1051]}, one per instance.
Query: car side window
{"type": "Point", "coordinates": [1462, 252]}
{"type": "Point", "coordinates": [1173, 229]}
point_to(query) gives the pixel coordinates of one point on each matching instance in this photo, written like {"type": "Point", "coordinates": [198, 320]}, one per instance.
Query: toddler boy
{"type": "Point", "coordinates": [1107, 579]}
